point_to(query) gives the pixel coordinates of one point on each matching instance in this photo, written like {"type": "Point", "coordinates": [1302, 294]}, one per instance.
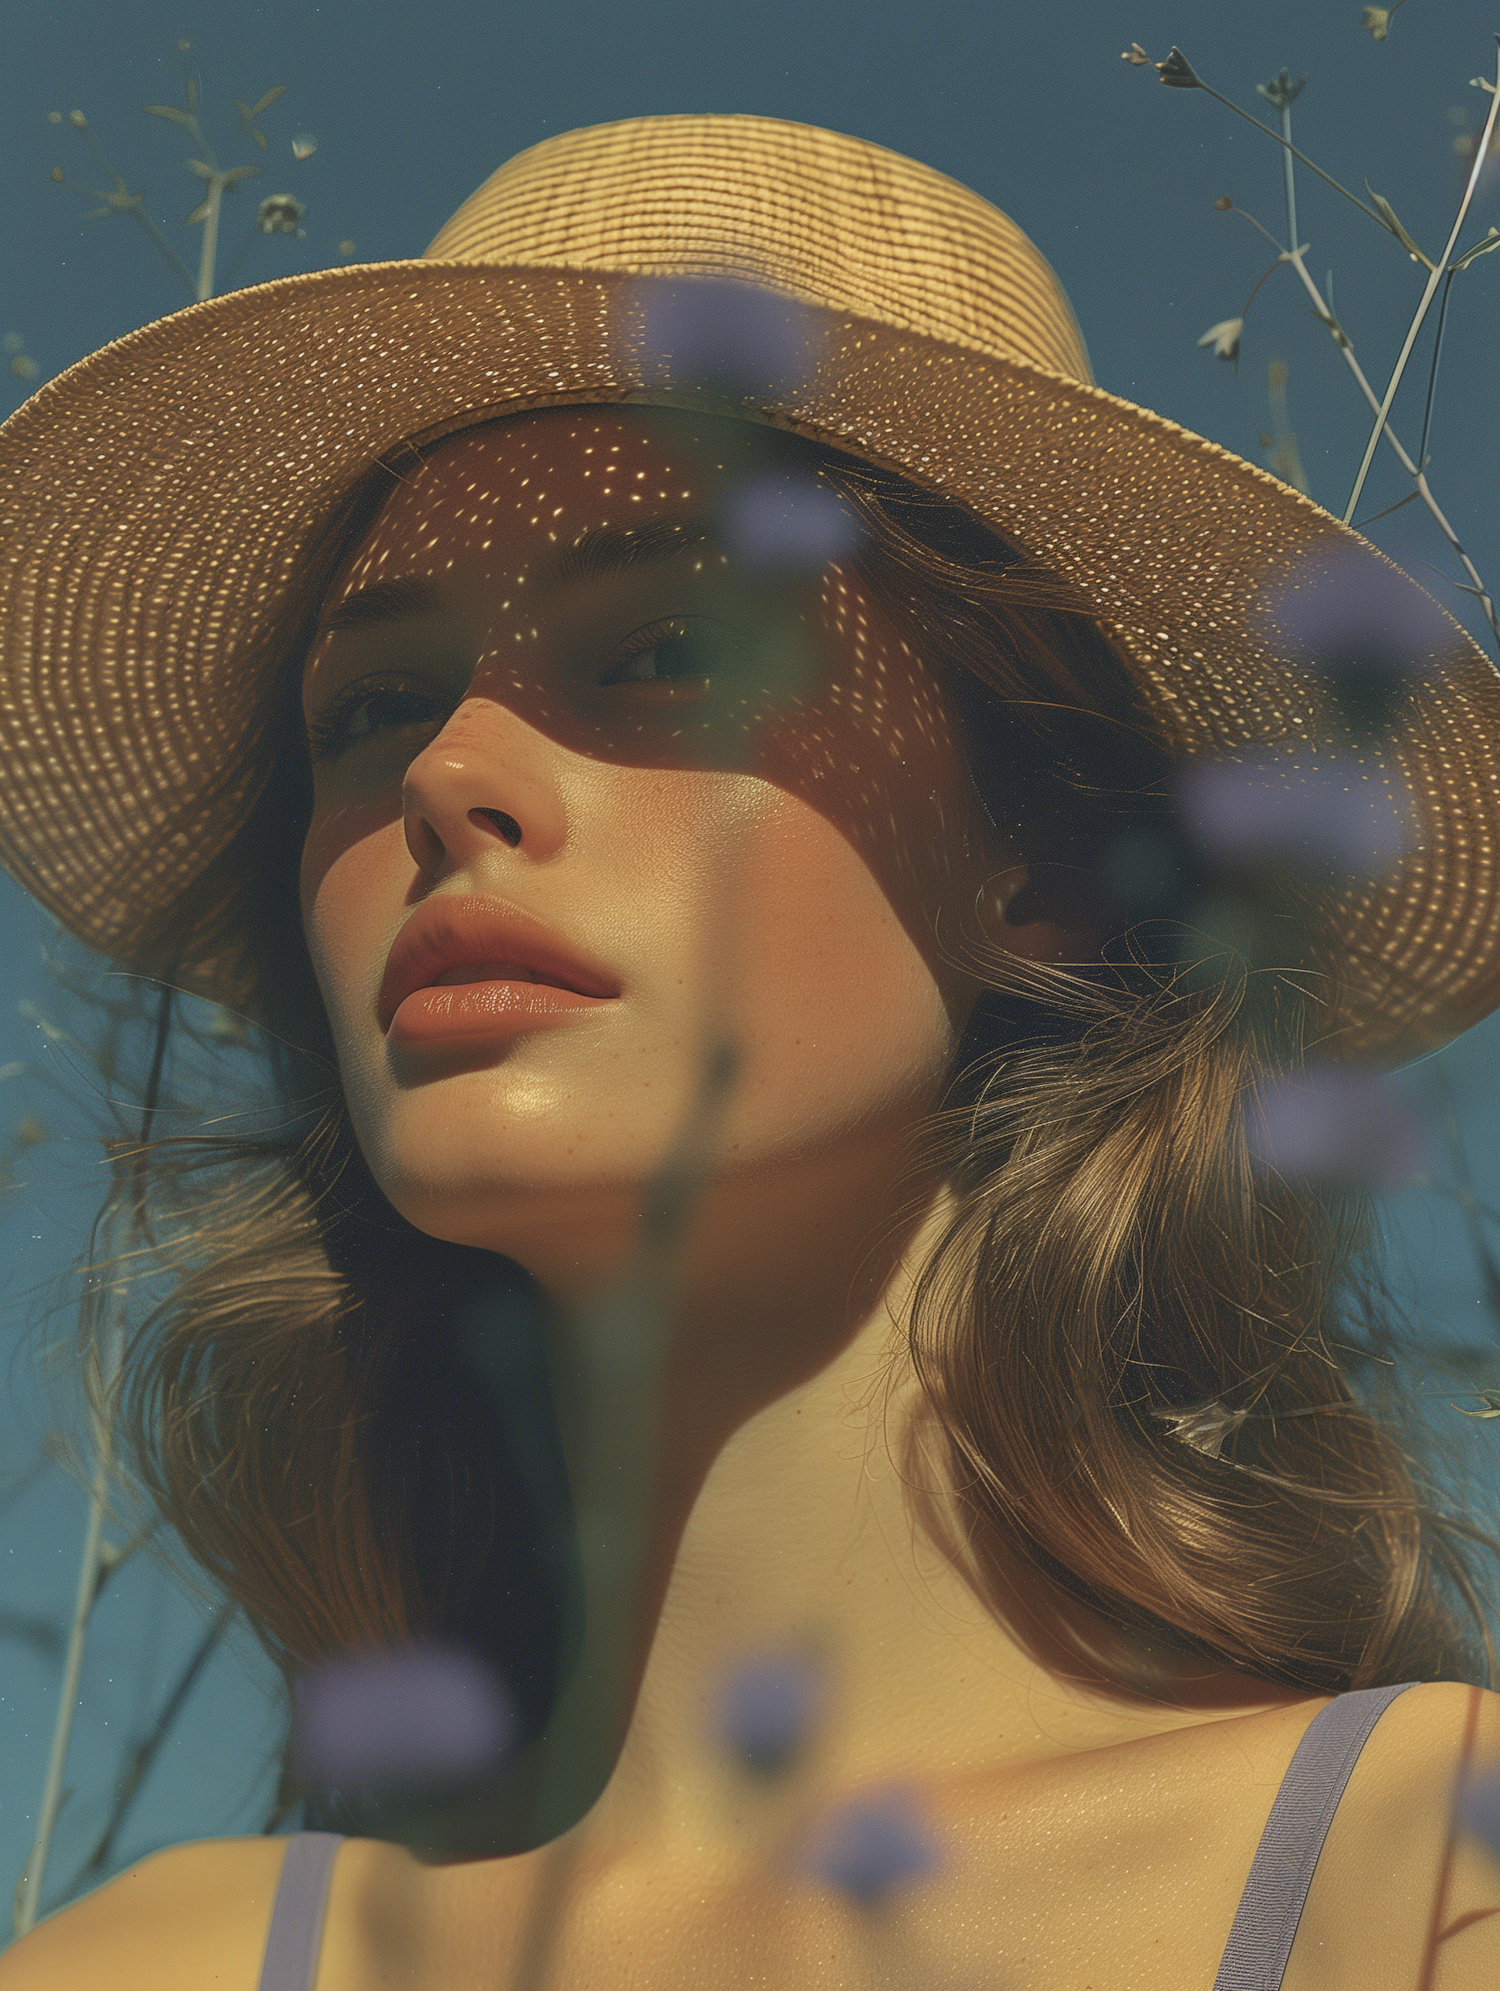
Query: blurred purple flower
{"type": "Point", "coordinates": [1272, 806]}
{"type": "Point", "coordinates": [1479, 1810]}
{"type": "Point", "coordinates": [767, 1708]}
{"type": "Point", "coordinates": [1363, 623]}
{"type": "Point", "coordinates": [1336, 1123]}
{"type": "Point", "coordinates": [872, 1845]}
{"type": "Point", "coordinates": [721, 336]}
{"type": "Point", "coordinates": [783, 520]}
{"type": "Point", "coordinates": [431, 1714]}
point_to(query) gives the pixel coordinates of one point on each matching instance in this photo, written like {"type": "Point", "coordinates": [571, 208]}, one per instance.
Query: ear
{"type": "Point", "coordinates": [1046, 912]}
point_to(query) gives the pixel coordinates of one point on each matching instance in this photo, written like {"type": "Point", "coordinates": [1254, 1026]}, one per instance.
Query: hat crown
{"type": "Point", "coordinates": [832, 220]}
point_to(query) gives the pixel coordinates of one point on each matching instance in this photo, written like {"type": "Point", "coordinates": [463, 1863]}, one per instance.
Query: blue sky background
{"type": "Point", "coordinates": [1114, 178]}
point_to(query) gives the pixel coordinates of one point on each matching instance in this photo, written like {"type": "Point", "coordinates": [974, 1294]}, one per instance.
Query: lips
{"type": "Point", "coordinates": [451, 940]}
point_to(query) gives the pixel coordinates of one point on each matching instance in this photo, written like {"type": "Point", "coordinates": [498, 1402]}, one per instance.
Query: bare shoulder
{"type": "Point", "coordinates": [187, 1919]}
{"type": "Point", "coordinates": [1396, 1879]}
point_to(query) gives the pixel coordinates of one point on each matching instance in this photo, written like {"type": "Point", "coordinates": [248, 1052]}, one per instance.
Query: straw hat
{"type": "Point", "coordinates": [159, 499]}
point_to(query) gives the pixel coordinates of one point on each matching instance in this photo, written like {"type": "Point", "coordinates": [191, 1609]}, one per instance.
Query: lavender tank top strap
{"type": "Point", "coordinates": [296, 1933]}
{"type": "Point", "coordinates": [1265, 1924]}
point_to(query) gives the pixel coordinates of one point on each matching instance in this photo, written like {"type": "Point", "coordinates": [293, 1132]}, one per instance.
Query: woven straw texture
{"type": "Point", "coordinates": [158, 504]}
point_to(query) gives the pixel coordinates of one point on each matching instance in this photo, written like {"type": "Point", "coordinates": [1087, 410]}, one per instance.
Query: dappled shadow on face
{"type": "Point", "coordinates": [671, 597]}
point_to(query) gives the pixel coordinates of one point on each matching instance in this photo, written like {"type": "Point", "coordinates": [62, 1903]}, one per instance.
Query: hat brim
{"type": "Point", "coordinates": [159, 499]}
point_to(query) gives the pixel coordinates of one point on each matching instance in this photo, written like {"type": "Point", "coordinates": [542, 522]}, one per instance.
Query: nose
{"type": "Point", "coordinates": [487, 783]}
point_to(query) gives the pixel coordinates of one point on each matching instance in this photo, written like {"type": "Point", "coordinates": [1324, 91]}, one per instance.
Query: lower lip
{"type": "Point", "coordinates": [492, 1010]}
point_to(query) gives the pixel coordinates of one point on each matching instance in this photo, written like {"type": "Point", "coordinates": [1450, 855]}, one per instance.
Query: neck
{"type": "Point", "coordinates": [781, 1525]}
{"type": "Point", "coordinates": [773, 1520]}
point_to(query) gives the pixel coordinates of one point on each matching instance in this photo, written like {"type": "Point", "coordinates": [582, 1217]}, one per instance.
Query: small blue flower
{"type": "Point", "coordinates": [1282, 807]}
{"type": "Point", "coordinates": [871, 1846]}
{"type": "Point", "coordinates": [787, 521]}
{"type": "Point", "coordinates": [1363, 626]}
{"type": "Point", "coordinates": [720, 336]}
{"type": "Point", "coordinates": [427, 1715]}
{"type": "Point", "coordinates": [1337, 1123]}
{"type": "Point", "coordinates": [768, 1707]}
{"type": "Point", "coordinates": [1479, 1810]}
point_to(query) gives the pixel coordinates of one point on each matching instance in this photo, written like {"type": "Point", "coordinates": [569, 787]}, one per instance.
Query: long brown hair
{"type": "Point", "coordinates": [1135, 1344]}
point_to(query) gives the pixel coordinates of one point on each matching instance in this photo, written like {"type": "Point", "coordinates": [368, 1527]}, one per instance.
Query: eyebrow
{"type": "Point", "coordinates": [611, 549]}
{"type": "Point", "coordinates": [593, 555]}
{"type": "Point", "coordinates": [382, 601]}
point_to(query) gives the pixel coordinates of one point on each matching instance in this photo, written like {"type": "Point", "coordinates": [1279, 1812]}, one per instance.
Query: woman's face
{"type": "Point", "coordinates": [564, 717]}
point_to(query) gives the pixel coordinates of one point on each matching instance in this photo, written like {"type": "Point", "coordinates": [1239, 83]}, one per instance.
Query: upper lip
{"type": "Point", "coordinates": [452, 932]}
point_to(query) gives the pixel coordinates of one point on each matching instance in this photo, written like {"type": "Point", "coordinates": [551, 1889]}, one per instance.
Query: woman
{"type": "Point", "coordinates": [672, 714]}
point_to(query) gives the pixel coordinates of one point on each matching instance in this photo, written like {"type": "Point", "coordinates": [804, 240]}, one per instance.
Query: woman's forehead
{"type": "Point", "coordinates": [540, 479]}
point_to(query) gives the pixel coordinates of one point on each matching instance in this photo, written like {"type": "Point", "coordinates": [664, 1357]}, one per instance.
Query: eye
{"type": "Point", "coordinates": [679, 650]}
{"type": "Point", "coordinates": [363, 711]}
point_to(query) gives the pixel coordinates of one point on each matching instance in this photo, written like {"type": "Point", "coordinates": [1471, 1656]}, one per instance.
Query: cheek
{"type": "Point", "coordinates": [876, 754]}
{"type": "Point", "coordinates": [354, 866]}
{"type": "Point", "coordinates": [840, 1015]}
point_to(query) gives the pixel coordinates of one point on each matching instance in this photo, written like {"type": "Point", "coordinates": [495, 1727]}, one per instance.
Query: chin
{"type": "Point", "coordinates": [528, 1194]}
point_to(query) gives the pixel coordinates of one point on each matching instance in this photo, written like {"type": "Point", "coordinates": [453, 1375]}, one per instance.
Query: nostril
{"type": "Point", "coordinates": [508, 827]}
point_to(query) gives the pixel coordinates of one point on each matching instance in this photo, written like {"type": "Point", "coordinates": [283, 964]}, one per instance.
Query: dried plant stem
{"type": "Point", "coordinates": [1416, 470]}
{"type": "Point", "coordinates": [1422, 489]}
{"type": "Point", "coordinates": [91, 1569]}
{"type": "Point", "coordinates": [103, 1328]}
{"type": "Point", "coordinates": [1435, 277]}
{"type": "Point", "coordinates": [167, 250]}
{"type": "Point", "coordinates": [147, 1750]}
{"type": "Point", "coordinates": [1325, 313]}
{"type": "Point", "coordinates": [1418, 476]}
{"type": "Point", "coordinates": [545, 1915]}
{"type": "Point", "coordinates": [1291, 175]}
{"type": "Point", "coordinates": [208, 253]}
{"type": "Point", "coordinates": [124, 202]}
{"type": "Point", "coordinates": [624, 1335]}
{"type": "Point", "coordinates": [1292, 152]}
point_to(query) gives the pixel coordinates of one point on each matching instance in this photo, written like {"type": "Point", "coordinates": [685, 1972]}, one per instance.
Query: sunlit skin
{"type": "Point", "coordinates": [766, 863]}
{"type": "Point", "coordinates": [776, 845]}
{"type": "Point", "coordinates": [779, 846]}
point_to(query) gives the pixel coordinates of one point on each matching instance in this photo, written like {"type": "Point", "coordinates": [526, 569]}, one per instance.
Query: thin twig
{"type": "Point", "coordinates": [1311, 164]}
{"type": "Point", "coordinates": [209, 249]}
{"type": "Point", "coordinates": [1437, 353]}
{"type": "Point", "coordinates": [1480, 155]}
{"type": "Point", "coordinates": [1324, 312]}
{"type": "Point", "coordinates": [1245, 307]}
{"type": "Point", "coordinates": [1288, 160]}
{"type": "Point", "coordinates": [1418, 476]}
{"type": "Point", "coordinates": [1463, 1197]}
{"type": "Point", "coordinates": [30, 1628]}
{"type": "Point", "coordinates": [624, 1332]}
{"type": "Point", "coordinates": [137, 207]}
{"type": "Point", "coordinates": [97, 1560]}
{"type": "Point", "coordinates": [545, 1914]}
{"type": "Point", "coordinates": [1371, 518]}
{"type": "Point", "coordinates": [29, 1886]}
{"type": "Point", "coordinates": [1326, 316]}
{"type": "Point", "coordinates": [147, 1750]}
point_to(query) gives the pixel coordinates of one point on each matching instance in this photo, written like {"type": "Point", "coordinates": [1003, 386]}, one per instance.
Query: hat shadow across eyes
{"type": "Point", "coordinates": [751, 696]}
{"type": "Point", "coordinates": [758, 655]}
